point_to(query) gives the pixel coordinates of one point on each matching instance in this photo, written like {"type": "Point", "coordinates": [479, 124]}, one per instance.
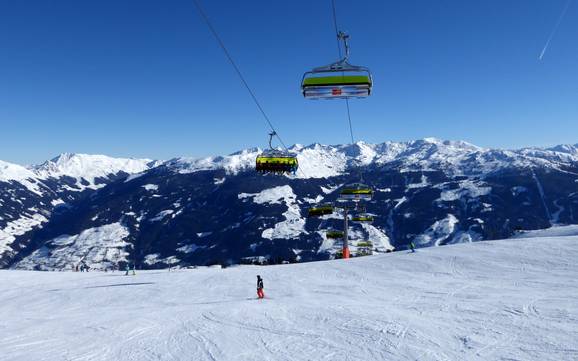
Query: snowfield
{"type": "Point", "coordinates": [513, 299]}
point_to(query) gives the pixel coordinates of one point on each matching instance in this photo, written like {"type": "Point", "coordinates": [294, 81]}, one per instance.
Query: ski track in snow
{"type": "Point", "coordinates": [501, 300]}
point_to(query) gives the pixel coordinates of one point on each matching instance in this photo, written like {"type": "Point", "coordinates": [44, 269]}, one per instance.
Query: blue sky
{"type": "Point", "coordinates": [145, 78]}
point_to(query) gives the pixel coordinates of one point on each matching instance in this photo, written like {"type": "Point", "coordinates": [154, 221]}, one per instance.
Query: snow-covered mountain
{"type": "Point", "coordinates": [29, 195]}
{"type": "Point", "coordinates": [107, 211]}
{"type": "Point", "coordinates": [452, 157]}
{"type": "Point", "coordinates": [90, 171]}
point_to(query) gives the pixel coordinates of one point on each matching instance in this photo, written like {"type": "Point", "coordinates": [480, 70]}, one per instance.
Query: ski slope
{"type": "Point", "coordinates": [503, 300]}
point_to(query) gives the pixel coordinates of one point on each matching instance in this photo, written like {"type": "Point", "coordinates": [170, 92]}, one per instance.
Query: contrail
{"type": "Point", "coordinates": [555, 29]}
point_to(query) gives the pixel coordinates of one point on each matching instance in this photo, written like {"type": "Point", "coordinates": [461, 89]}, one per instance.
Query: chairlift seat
{"type": "Point", "coordinates": [355, 192]}
{"type": "Point", "coordinates": [320, 210]}
{"type": "Point", "coordinates": [275, 161]}
{"type": "Point", "coordinates": [333, 234]}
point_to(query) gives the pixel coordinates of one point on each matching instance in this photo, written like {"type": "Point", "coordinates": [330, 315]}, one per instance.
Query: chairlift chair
{"type": "Point", "coordinates": [356, 192]}
{"type": "Point", "coordinates": [339, 80]}
{"type": "Point", "coordinates": [320, 210]}
{"type": "Point", "coordinates": [334, 234]}
{"type": "Point", "coordinates": [276, 161]}
{"type": "Point", "coordinates": [362, 218]}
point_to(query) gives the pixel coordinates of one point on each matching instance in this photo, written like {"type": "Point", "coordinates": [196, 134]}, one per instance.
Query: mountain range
{"type": "Point", "coordinates": [107, 212]}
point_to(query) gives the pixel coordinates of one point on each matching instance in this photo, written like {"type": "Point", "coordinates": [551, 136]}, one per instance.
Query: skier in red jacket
{"type": "Point", "coordinates": [260, 293]}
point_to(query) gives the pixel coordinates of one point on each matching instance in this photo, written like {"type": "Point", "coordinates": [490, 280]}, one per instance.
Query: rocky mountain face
{"type": "Point", "coordinates": [106, 212]}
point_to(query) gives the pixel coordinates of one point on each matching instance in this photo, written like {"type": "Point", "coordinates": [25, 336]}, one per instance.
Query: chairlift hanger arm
{"type": "Point", "coordinates": [345, 37]}
{"type": "Point", "coordinates": [271, 135]}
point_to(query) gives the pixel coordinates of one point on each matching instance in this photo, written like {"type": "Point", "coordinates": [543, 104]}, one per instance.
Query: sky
{"type": "Point", "coordinates": [146, 79]}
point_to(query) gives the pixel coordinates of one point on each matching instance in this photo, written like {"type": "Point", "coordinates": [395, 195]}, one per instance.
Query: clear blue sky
{"type": "Point", "coordinates": [145, 78]}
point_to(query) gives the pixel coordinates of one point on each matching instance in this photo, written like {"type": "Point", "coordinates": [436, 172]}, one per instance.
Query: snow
{"type": "Point", "coordinates": [276, 195]}
{"type": "Point", "coordinates": [517, 190]}
{"type": "Point", "coordinates": [315, 200]}
{"type": "Point", "coordinates": [98, 247]}
{"type": "Point", "coordinates": [437, 232]}
{"type": "Point", "coordinates": [85, 168]}
{"type": "Point", "coordinates": [329, 190]}
{"type": "Point", "coordinates": [151, 187]}
{"type": "Point", "coordinates": [466, 237]}
{"type": "Point", "coordinates": [423, 183]}
{"type": "Point", "coordinates": [133, 177]}
{"type": "Point", "coordinates": [542, 195]}
{"type": "Point", "coordinates": [556, 215]}
{"type": "Point", "coordinates": [90, 167]}
{"type": "Point", "coordinates": [315, 161]}
{"type": "Point", "coordinates": [557, 231]}
{"type": "Point", "coordinates": [18, 227]}
{"type": "Point", "coordinates": [161, 215]}
{"type": "Point", "coordinates": [499, 300]}
{"type": "Point", "coordinates": [232, 164]}
{"type": "Point", "coordinates": [320, 161]}
{"type": "Point", "coordinates": [13, 172]}
{"type": "Point", "coordinates": [379, 239]}
{"type": "Point", "coordinates": [154, 258]}
{"type": "Point", "coordinates": [466, 189]}
{"type": "Point", "coordinates": [189, 248]}
{"type": "Point", "coordinates": [56, 202]}
{"type": "Point", "coordinates": [294, 224]}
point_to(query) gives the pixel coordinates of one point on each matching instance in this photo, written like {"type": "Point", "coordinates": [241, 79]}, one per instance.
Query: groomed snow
{"type": "Point", "coordinates": [502, 300]}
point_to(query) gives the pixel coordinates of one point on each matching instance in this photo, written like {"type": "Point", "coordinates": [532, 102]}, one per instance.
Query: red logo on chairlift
{"type": "Point", "coordinates": [336, 91]}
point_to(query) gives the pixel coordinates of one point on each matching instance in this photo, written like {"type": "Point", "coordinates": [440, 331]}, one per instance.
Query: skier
{"type": "Point", "coordinates": [412, 247]}
{"type": "Point", "coordinates": [127, 269]}
{"type": "Point", "coordinates": [260, 293]}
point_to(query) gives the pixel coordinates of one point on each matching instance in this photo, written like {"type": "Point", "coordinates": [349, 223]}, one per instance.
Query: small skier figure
{"type": "Point", "coordinates": [412, 247]}
{"type": "Point", "coordinates": [260, 293]}
{"type": "Point", "coordinates": [127, 269]}
{"type": "Point", "coordinates": [133, 267]}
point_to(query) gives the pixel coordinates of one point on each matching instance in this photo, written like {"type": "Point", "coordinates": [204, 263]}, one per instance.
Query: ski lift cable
{"type": "Point", "coordinates": [339, 36]}
{"type": "Point", "coordinates": [240, 74]}
{"type": "Point", "coordinates": [237, 70]}
{"type": "Point", "coordinates": [336, 27]}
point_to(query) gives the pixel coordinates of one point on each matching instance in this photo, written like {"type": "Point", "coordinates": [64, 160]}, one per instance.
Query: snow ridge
{"type": "Point", "coordinates": [315, 161]}
{"type": "Point", "coordinates": [89, 167]}
{"type": "Point", "coordinates": [453, 157]}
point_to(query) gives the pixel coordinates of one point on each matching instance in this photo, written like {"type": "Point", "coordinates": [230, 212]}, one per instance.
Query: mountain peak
{"type": "Point", "coordinates": [432, 140]}
{"type": "Point", "coordinates": [62, 157]}
{"type": "Point", "coordinates": [89, 168]}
